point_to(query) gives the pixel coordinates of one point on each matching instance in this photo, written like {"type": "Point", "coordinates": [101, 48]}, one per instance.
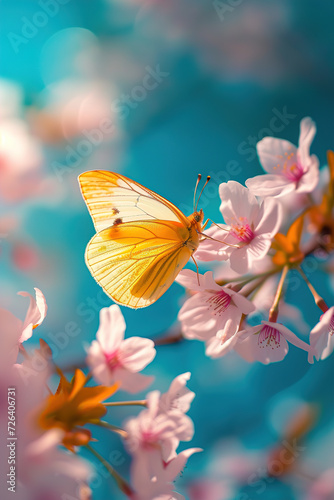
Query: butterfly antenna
{"type": "Point", "coordinates": [199, 177]}
{"type": "Point", "coordinates": [200, 194]}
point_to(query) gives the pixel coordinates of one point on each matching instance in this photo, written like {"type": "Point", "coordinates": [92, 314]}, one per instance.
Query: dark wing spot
{"type": "Point", "coordinates": [117, 222]}
{"type": "Point", "coordinates": [115, 211]}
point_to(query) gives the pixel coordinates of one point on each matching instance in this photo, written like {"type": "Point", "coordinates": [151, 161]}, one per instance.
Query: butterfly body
{"type": "Point", "coordinates": [142, 240]}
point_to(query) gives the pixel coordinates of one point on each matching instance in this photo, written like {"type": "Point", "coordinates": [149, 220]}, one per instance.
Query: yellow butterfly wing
{"type": "Point", "coordinates": [113, 197]}
{"type": "Point", "coordinates": [136, 262]}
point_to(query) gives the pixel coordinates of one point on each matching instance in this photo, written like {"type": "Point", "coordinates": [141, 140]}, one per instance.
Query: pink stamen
{"type": "Point", "coordinates": [219, 302]}
{"type": "Point", "coordinates": [149, 440]}
{"type": "Point", "coordinates": [269, 336]}
{"type": "Point", "coordinates": [290, 167]}
{"type": "Point", "coordinates": [242, 230]}
{"type": "Point", "coordinates": [113, 360]}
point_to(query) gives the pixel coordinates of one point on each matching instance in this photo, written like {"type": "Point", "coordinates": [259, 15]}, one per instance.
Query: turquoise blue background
{"type": "Point", "coordinates": [195, 121]}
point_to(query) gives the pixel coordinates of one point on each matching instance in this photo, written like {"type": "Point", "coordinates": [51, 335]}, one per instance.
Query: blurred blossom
{"type": "Point", "coordinates": [232, 463]}
{"type": "Point", "coordinates": [35, 315]}
{"type": "Point", "coordinates": [153, 437]}
{"type": "Point", "coordinates": [20, 167]}
{"type": "Point", "coordinates": [153, 480]}
{"type": "Point", "coordinates": [322, 488]}
{"type": "Point", "coordinates": [113, 359]}
{"type": "Point", "coordinates": [178, 395]}
{"type": "Point", "coordinates": [155, 428]}
{"type": "Point", "coordinates": [15, 331]}
{"type": "Point", "coordinates": [25, 257]}
{"type": "Point", "coordinates": [42, 470]}
{"type": "Point", "coordinates": [208, 489]}
{"type": "Point", "coordinates": [75, 109]}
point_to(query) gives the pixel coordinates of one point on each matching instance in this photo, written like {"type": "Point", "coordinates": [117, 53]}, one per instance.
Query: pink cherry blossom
{"type": "Point", "coordinates": [178, 395]}
{"type": "Point", "coordinates": [268, 343]}
{"type": "Point", "coordinates": [152, 479]}
{"type": "Point", "coordinates": [35, 315]}
{"type": "Point", "coordinates": [290, 169]}
{"type": "Point", "coordinates": [14, 331]}
{"type": "Point", "coordinates": [42, 469]}
{"type": "Point", "coordinates": [113, 359]}
{"type": "Point", "coordinates": [213, 311]}
{"type": "Point", "coordinates": [155, 428]}
{"type": "Point", "coordinates": [322, 335]}
{"type": "Point", "coordinates": [249, 228]}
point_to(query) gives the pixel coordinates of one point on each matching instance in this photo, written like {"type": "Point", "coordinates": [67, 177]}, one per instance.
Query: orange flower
{"type": "Point", "coordinates": [288, 247]}
{"type": "Point", "coordinates": [74, 405]}
{"type": "Point", "coordinates": [321, 216]}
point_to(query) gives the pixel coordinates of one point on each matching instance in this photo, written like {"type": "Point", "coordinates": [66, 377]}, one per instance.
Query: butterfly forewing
{"type": "Point", "coordinates": [113, 197]}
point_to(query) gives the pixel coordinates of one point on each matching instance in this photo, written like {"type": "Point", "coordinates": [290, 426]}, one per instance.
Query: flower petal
{"type": "Point", "coordinates": [270, 185]}
{"type": "Point", "coordinates": [35, 315]}
{"type": "Point", "coordinates": [308, 130]}
{"type": "Point", "coordinates": [292, 338]}
{"type": "Point", "coordinates": [135, 353]}
{"type": "Point", "coordinates": [321, 337]}
{"type": "Point", "coordinates": [215, 348]}
{"type": "Point", "coordinates": [178, 395]}
{"type": "Point", "coordinates": [270, 217]}
{"type": "Point", "coordinates": [272, 153]}
{"type": "Point", "coordinates": [245, 305]}
{"type": "Point", "coordinates": [174, 467]}
{"type": "Point", "coordinates": [237, 201]}
{"type": "Point", "coordinates": [309, 181]}
{"type": "Point", "coordinates": [111, 330]}
{"type": "Point", "coordinates": [131, 382]}
{"type": "Point", "coordinates": [209, 250]}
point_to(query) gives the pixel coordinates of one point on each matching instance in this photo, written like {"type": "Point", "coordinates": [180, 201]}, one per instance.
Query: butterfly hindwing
{"type": "Point", "coordinates": [113, 197]}
{"type": "Point", "coordinates": [136, 263]}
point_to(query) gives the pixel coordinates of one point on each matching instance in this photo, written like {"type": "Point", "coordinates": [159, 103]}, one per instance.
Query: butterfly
{"type": "Point", "coordinates": [142, 241]}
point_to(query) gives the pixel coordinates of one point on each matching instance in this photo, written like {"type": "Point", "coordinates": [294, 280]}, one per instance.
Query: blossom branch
{"type": "Point", "coordinates": [317, 298]}
{"type": "Point", "coordinates": [121, 482]}
{"type": "Point", "coordinates": [273, 313]}
{"type": "Point", "coordinates": [127, 403]}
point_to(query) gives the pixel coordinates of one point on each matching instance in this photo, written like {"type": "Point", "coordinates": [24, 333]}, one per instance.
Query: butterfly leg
{"type": "Point", "coordinates": [196, 269]}
{"type": "Point", "coordinates": [214, 223]}
{"type": "Point", "coordinates": [206, 237]}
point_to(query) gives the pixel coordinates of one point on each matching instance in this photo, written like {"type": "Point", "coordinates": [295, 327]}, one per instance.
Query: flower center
{"type": "Point", "coordinates": [219, 302]}
{"type": "Point", "coordinates": [149, 440]}
{"type": "Point", "coordinates": [290, 167]}
{"type": "Point", "coordinates": [113, 360]}
{"type": "Point", "coordinates": [242, 230]}
{"type": "Point", "coordinates": [269, 337]}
